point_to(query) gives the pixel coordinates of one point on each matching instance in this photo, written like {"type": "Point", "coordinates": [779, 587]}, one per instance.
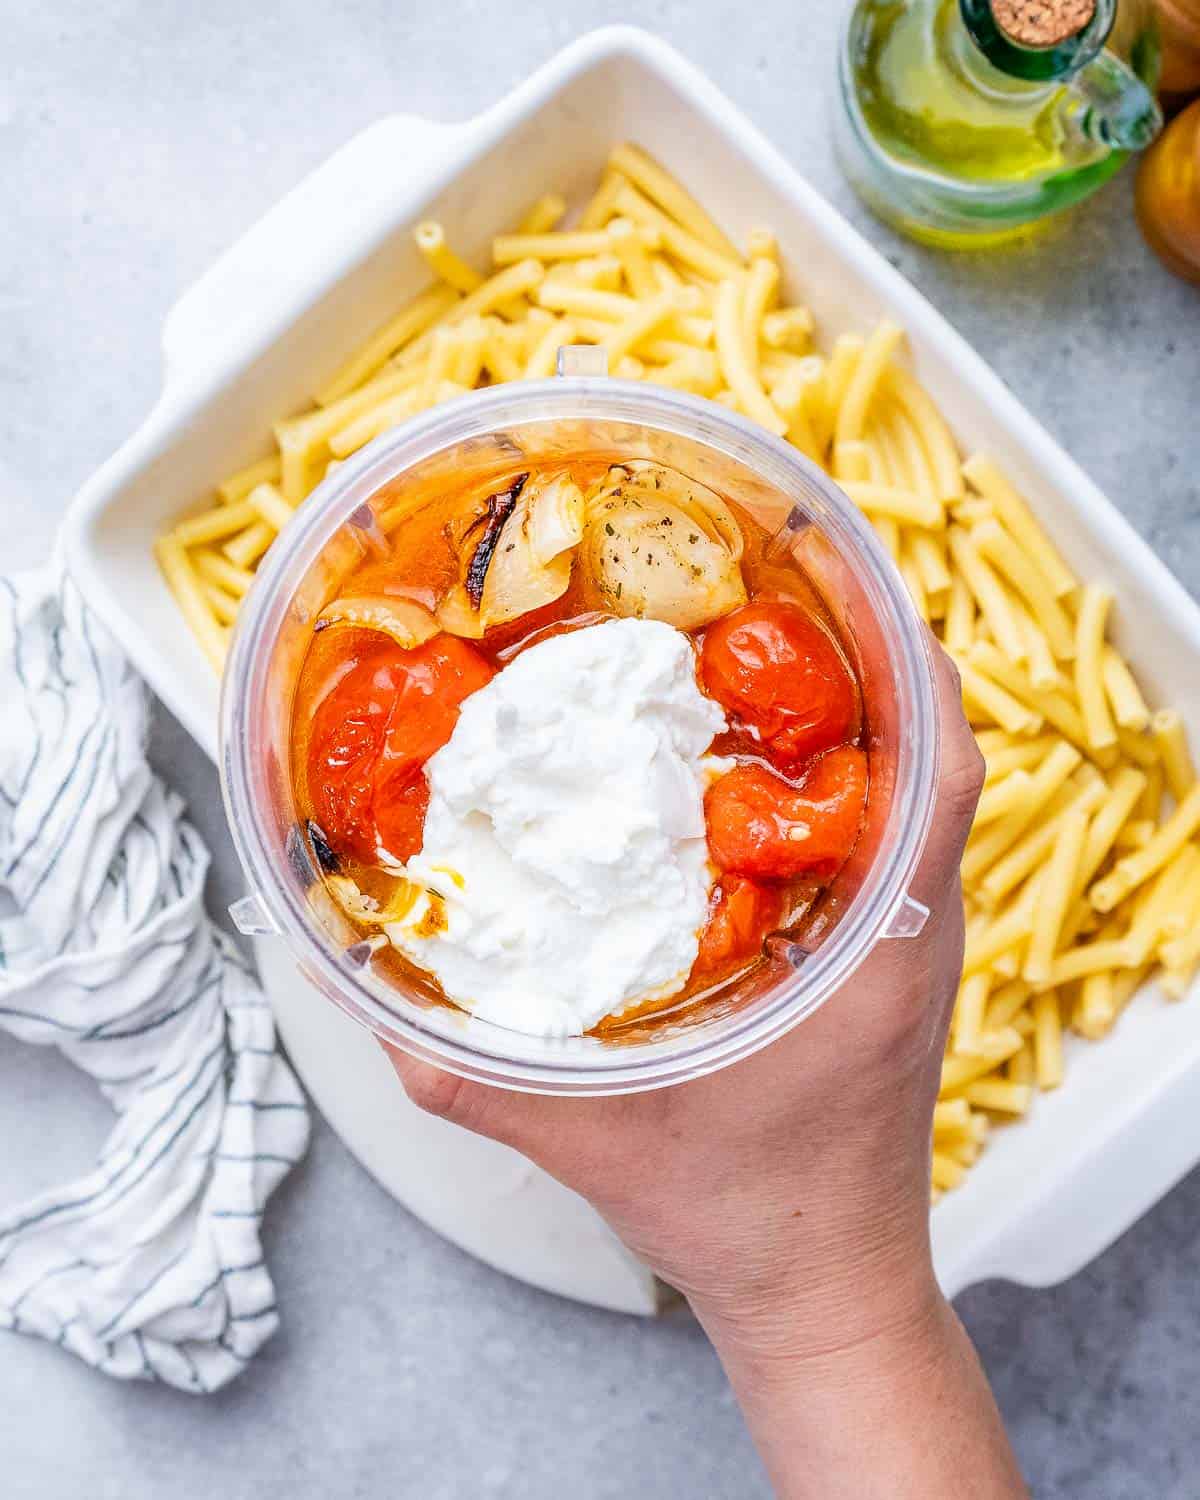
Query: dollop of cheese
{"type": "Point", "coordinates": [565, 840]}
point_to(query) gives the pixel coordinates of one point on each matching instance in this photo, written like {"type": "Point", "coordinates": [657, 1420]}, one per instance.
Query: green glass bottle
{"type": "Point", "coordinates": [964, 121]}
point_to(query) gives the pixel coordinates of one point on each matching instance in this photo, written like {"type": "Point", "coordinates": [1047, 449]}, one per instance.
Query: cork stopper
{"type": "Point", "coordinates": [1042, 23]}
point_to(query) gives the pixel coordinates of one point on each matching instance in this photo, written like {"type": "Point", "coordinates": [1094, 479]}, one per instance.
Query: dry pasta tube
{"type": "Point", "coordinates": [603, 202]}
{"type": "Point", "coordinates": [1130, 872]}
{"type": "Point", "coordinates": [1032, 849]}
{"type": "Point", "coordinates": [1047, 1040]}
{"type": "Point", "coordinates": [852, 463]}
{"type": "Point", "coordinates": [1089, 651]}
{"type": "Point", "coordinates": [1039, 658]}
{"type": "Point", "coordinates": [249, 545]}
{"type": "Point", "coordinates": [1115, 804]}
{"type": "Point", "coordinates": [788, 328]}
{"type": "Point", "coordinates": [1153, 907]}
{"type": "Point", "coordinates": [986, 478]}
{"type": "Point", "coordinates": [239, 485]}
{"type": "Point", "coordinates": [1020, 1067]}
{"type": "Point", "coordinates": [959, 627]}
{"type": "Point", "coordinates": [929, 554]}
{"type": "Point", "coordinates": [967, 1028]}
{"type": "Point", "coordinates": [907, 457]}
{"type": "Point", "coordinates": [189, 593]}
{"type": "Point", "coordinates": [735, 364]}
{"type": "Point", "coordinates": [408, 324]}
{"type": "Point", "coordinates": [868, 372]}
{"type": "Point", "coordinates": [934, 435]}
{"type": "Point", "coordinates": [760, 290]}
{"type": "Point", "coordinates": [360, 432]}
{"type": "Point", "coordinates": [1057, 887]}
{"type": "Point", "coordinates": [761, 243]}
{"type": "Point", "coordinates": [564, 245]}
{"type": "Point", "coordinates": [957, 1072]}
{"type": "Point", "coordinates": [1000, 1095]}
{"type": "Point", "coordinates": [430, 239]}
{"type": "Point", "coordinates": [1170, 737]}
{"type": "Point", "coordinates": [212, 525]}
{"type": "Point", "coordinates": [989, 594]}
{"type": "Point", "coordinates": [224, 606]}
{"type": "Point", "coordinates": [214, 568]}
{"type": "Point", "coordinates": [905, 506]}
{"type": "Point", "coordinates": [637, 326]}
{"type": "Point", "coordinates": [951, 1116]}
{"type": "Point", "coordinates": [1055, 707]}
{"type": "Point", "coordinates": [543, 214]}
{"type": "Point", "coordinates": [685, 247]}
{"type": "Point", "coordinates": [688, 372]}
{"type": "Point", "coordinates": [1096, 1010]}
{"type": "Point", "coordinates": [1006, 1004]}
{"type": "Point", "coordinates": [946, 1172]}
{"type": "Point", "coordinates": [671, 196]}
{"type": "Point", "coordinates": [303, 441]}
{"type": "Point", "coordinates": [995, 544]}
{"type": "Point", "coordinates": [1003, 797]}
{"type": "Point", "coordinates": [999, 837]}
{"type": "Point", "coordinates": [1008, 930]}
{"type": "Point", "coordinates": [980, 693]}
{"type": "Point", "coordinates": [270, 506]}
{"type": "Point", "coordinates": [602, 273]}
{"type": "Point", "coordinates": [1124, 696]}
{"type": "Point", "coordinates": [629, 248]}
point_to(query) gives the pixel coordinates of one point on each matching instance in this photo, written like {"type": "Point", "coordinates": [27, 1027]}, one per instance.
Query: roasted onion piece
{"type": "Point", "coordinates": [660, 546]}
{"type": "Point", "coordinates": [408, 623]}
{"type": "Point", "coordinates": [528, 563]}
{"type": "Point", "coordinates": [362, 909]}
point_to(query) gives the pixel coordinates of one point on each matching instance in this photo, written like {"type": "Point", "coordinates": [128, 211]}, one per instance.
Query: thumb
{"type": "Point", "coordinates": [960, 781]}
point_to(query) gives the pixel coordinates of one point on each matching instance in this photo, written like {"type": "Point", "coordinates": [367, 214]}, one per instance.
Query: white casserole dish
{"type": "Point", "coordinates": [280, 311]}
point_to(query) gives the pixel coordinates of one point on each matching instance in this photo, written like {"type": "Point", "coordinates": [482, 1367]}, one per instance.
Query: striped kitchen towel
{"type": "Point", "coordinates": [150, 1266]}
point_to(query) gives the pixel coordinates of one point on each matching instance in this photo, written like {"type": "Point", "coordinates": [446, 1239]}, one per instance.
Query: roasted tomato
{"type": "Point", "coordinates": [780, 674]}
{"type": "Point", "coordinates": [374, 731]}
{"type": "Point", "coordinates": [740, 916]}
{"type": "Point", "coordinates": [762, 826]}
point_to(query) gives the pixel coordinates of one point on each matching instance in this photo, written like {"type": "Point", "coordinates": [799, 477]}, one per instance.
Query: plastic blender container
{"type": "Point", "coordinates": [349, 515]}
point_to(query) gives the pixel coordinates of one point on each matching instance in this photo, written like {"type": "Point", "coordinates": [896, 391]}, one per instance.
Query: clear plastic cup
{"type": "Point", "coordinates": [347, 517]}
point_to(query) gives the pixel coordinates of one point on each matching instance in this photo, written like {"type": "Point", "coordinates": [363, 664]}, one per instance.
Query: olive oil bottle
{"type": "Point", "coordinates": [964, 121]}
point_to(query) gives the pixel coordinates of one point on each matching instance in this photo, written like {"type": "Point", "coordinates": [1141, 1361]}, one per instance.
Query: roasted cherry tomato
{"type": "Point", "coordinates": [762, 826]}
{"type": "Point", "coordinates": [374, 731]}
{"type": "Point", "coordinates": [778, 671]}
{"type": "Point", "coordinates": [741, 914]}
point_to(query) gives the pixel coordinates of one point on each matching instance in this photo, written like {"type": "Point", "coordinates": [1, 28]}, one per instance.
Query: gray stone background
{"type": "Point", "coordinates": [137, 139]}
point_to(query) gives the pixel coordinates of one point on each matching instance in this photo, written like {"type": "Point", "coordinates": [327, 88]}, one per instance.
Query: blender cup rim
{"type": "Point", "coordinates": [515, 1060]}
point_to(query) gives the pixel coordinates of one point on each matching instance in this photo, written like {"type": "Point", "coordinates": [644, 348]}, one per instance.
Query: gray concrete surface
{"type": "Point", "coordinates": [136, 140]}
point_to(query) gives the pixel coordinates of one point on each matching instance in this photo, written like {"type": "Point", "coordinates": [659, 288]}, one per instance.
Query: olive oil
{"type": "Point", "coordinates": [932, 99]}
{"type": "Point", "coordinates": [961, 132]}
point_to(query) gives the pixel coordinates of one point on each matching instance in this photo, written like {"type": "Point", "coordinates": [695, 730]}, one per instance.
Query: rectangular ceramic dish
{"type": "Point", "coordinates": [279, 312]}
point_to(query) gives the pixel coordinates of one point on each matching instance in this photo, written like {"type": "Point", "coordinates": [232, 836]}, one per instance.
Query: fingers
{"type": "Point", "coordinates": [959, 784]}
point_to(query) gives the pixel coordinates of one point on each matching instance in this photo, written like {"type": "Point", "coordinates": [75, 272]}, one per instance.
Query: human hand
{"type": "Point", "coordinates": [802, 1171]}
{"type": "Point", "coordinates": [787, 1196]}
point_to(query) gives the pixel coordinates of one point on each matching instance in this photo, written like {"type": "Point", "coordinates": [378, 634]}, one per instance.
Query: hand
{"type": "Point", "coordinates": [787, 1196]}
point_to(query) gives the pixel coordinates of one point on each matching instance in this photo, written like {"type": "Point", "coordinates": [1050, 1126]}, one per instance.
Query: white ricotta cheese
{"type": "Point", "coordinates": [565, 832]}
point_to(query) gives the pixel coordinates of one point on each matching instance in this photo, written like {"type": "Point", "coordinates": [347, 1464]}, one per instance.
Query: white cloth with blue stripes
{"type": "Point", "coordinates": [150, 1266]}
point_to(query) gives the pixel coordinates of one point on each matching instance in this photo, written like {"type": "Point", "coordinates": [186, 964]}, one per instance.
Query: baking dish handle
{"type": "Point", "coordinates": [263, 280]}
